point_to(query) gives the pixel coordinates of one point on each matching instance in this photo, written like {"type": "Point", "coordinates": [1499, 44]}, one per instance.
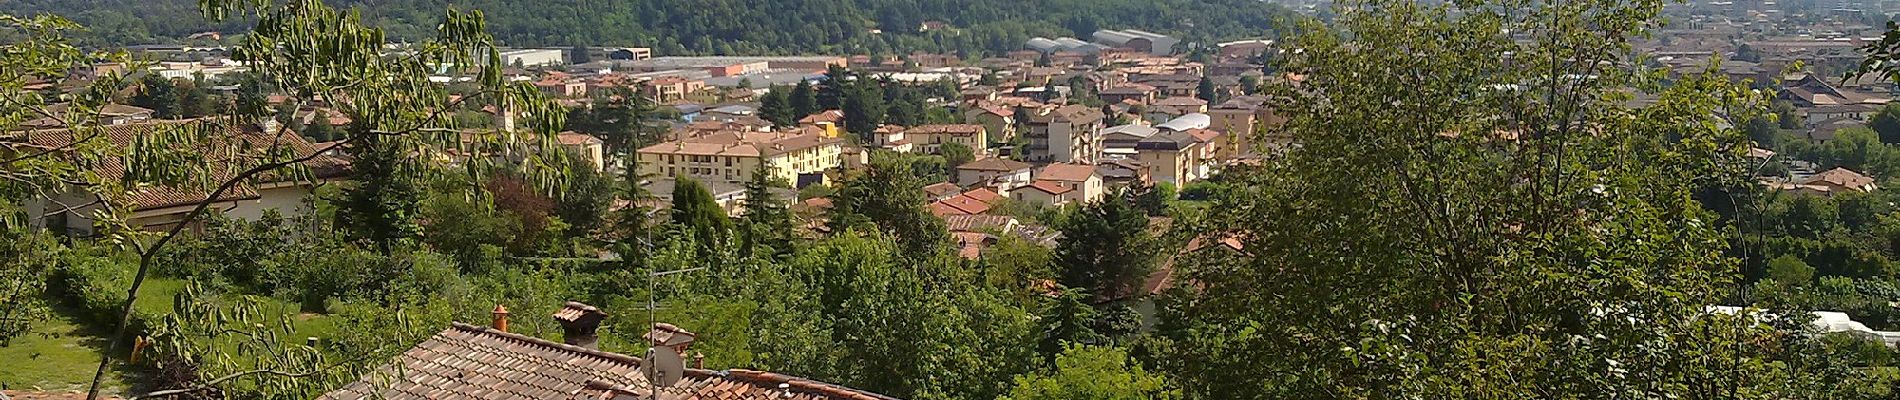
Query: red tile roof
{"type": "Point", "coordinates": [220, 146]}
{"type": "Point", "coordinates": [1066, 172]}
{"type": "Point", "coordinates": [1049, 187]}
{"type": "Point", "coordinates": [995, 164]}
{"type": "Point", "coordinates": [476, 362]}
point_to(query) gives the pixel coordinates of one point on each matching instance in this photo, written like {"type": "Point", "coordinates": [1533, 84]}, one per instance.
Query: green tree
{"type": "Point", "coordinates": [1105, 247]}
{"type": "Point", "coordinates": [955, 154]}
{"type": "Point", "coordinates": [804, 99]}
{"type": "Point", "coordinates": [1206, 91]}
{"type": "Point", "coordinates": [158, 94]}
{"type": "Point", "coordinates": [1461, 263]}
{"type": "Point", "coordinates": [863, 106]}
{"type": "Point", "coordinates": [579, 55]}
{"type": "Point", "coordinates": [194, 101]}
{"type": "Point", "coordinates": [768, 221]}
{"type": "Point", "coordinates": [888, 196]}
{"type": "Point", "coordinates": [776, 106]}
{"type": "Point", "coordinates": [1093, 373]}
{"type": "Point", "coordinates": [381, 206]}
{"type": "Point", "coordinates": [1886, 122]}
{"type": "Point", "coordinates": [1790, 270]}
{"type": "Point", "coordinates": [695, 209]}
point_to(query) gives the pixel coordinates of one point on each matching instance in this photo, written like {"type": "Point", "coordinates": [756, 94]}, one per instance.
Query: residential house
{"type": "Point", "coordinates": [490, 362]}
{"type": "Point", "coordinates": [731, 196]}
{"type": "Point", "coordinates": [588, 147]}
{"type": "Point", "coordinates": [1179, 157]}
{"type": "Point", "coordinates": [670, 88]}
{"type": "Point", "coordinates": [1840, 180]}
{"type": "Point", "coordinates": [995, 172]}
{"type": "Point", "coordinates": [1080, 177]}
{"type": "Point", "coordinates": [732, 156]}
{"type": "Point", "coordinates": [977, 93]}
{"type": "Point", "coordinates": [558, 87]}
{"type": "Point", "coordinates": [997, 120]}
{"type": "Point", "coordinates": [1172, 85]}
{"type": "Point", "coordinates": [1069, 133]}
{"type": "Point", "coordinates": [1045, 193]}
{"type": "Point", "coordinates": [61, 115]}
{"type": "Point", "coordinates": [1119, 141]}
{"type": "Point", "coordinates": [1122, 172]}
{"type": "Point", "coordinates": [1173, 107]}
{"type": "Point", "coordinates": [973, 202]}
{"type": "Point", "coordinates": [1139, 93]}
{"type": "Point", "coordinates": [830, 121]}
{"type": "Point", "coordinates": [1809, 93]}
{"type": "Point", "coordinates": [162, 207]}
{"type": "Point", "coordinates": [1240, 117]}
{"type": "Point", "coordinates": [931, 138]}
{"type": "Point", "coordinates": [891, 137]}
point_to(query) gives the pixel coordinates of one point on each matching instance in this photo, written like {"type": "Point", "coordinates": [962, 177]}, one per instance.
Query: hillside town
{"type": "Point", "coordinates": [1399, 210]}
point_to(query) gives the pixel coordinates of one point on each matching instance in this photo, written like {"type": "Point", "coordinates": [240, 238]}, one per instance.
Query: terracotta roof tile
{"type": "Point", "coordinates": [474, 362]}
{"type": "Point", "coordinates": [1066, 172]}
{"type": "Point", "coordinates": [995, 164]}
{"type": "Point", "coordinates": [222, 142]}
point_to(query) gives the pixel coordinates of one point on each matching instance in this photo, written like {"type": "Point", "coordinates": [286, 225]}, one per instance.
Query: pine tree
{"type": "Point", "coordinates": [1105, 247]}
{"type": "Point", "coordinates": [768, 222]}
{"type": "Point", "coordinates": [863, 109]}
{"type": "Point", "coordinates": [382, 205]}
{"type": "Point", "coordinates": [1206, 91]}
{"type": "Point", "coordinates": [695, 209]}
{"type": "Point", "coordinates": [804, 99]}
{"type": "Point", "coordinates": [579, 55]}
{"type": "Point", "coordinates": [776, 106]}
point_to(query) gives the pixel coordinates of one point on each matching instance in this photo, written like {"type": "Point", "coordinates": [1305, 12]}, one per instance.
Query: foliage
{"type": "Point", "coordinates": [1094, 373]}
{"type": "Point", "coordinates": [619, 117]}
{"type": "Point", "coordinates": [888, 196]}
{"type": "Point", "coordinates": [955, 154]}
{"type": "Point", "coordinates": [728, 27]}
{"type": "Point", "coordinates": [26, 259]}
{"type": "Point", "coordinates": [584, 206]}
{"type": "Point", "coordinates": [1106, 247]}
{"type": "Point", "coordinates": [1460, 263]}
{"type": "Point", "coordinates": [803, 99]}
{"type": "Point", "coordinates": [695, 209]}
{"type": "Point", "coordinates": [767, 220]}
{"type": "Point", "coordinates": [380, 206]}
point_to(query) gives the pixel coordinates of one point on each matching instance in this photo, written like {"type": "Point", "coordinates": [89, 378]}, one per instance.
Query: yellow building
{"type": "Point", "coordinates": [732, 156]}
{"type": "Point", "coordinates": [929, 138]}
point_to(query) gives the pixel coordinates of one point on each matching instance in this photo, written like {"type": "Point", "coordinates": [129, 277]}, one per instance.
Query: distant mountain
{"type": "Point", "coordinates": [724, 26]}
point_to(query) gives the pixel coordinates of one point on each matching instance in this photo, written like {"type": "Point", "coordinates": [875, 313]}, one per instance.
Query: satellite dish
{"type": "Point", "coordinates": [663, 366]}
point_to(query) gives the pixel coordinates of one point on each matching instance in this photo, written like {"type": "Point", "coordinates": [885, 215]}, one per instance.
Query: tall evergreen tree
{"type": "Point", "coordinates": [804, 99]}
{"type": "Point", "coordinates": [888, 195]}
{"type": "Point", "coordinates": [768, 222]}
{"type": "Point", "coordinates": [695, 209]}
{"type": "Point", "coordinates": [1206, 91]}
{"type": "Point", "coordinates": [381, 206]}
{"type": "Point", "coordinates": [1105, 248]}
{"type": "Point", "coordinates": [776, 106]}
{"type": "Point", "coordinates": [863, 109]}
{"type": "Point", "coordinates": [579, 55]}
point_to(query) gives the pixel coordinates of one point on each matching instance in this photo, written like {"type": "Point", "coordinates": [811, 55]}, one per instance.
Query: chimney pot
{"type": "Point", "coordinates": [501, 318]}
{"type": "Point", "coordinates": [579, 323]}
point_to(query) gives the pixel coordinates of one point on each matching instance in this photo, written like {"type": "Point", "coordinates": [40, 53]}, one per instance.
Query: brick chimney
{"type": "Point", "coordinates": [579, 323]}
{"type": "Point", "coordinates": [668, 335]}
{"type": "Point", "coordinates": [501, 318]}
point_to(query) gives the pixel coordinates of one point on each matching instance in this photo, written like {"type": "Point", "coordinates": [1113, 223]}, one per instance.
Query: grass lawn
{"type": "Point", "coordinates": [60, 354]}
{"type": "Point", "coordinates": [57, 355]}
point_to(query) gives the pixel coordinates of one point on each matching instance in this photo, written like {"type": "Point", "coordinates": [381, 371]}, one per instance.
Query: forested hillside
{"type": "Point", "coordinates": [725, 26]}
